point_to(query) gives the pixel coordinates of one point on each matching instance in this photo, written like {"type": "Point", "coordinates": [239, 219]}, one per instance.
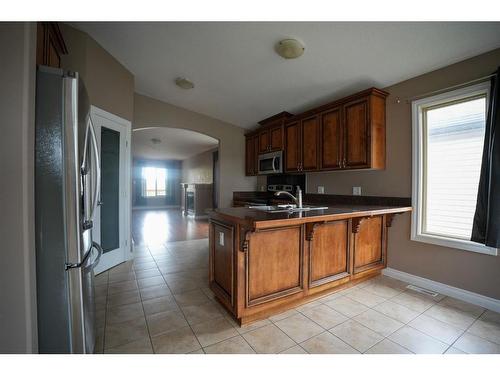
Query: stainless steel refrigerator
{"type": "Point", "coordinates": [67, 185]}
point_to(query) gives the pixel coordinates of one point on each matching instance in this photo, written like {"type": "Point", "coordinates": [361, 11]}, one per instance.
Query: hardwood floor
{"type": "Point", "coordinates": [154, 227]}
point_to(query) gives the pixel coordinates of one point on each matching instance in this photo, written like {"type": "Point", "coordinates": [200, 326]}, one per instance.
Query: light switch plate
{"type": "Point", "coordinates": [221, 238]}
{"type": "Point", "coordinates": [356, 190]}
{"type": "Point", "coordinates": [321, 190]}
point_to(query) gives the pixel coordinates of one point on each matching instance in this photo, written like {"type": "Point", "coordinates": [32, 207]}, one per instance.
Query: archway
{"type": "Point", "coordinates": [174, 184]}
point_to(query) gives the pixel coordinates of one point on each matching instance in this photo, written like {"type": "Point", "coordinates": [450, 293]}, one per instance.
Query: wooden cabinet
{"type": "Point", "coordinates": [271, 133]}
{"type": "Point", "coordinates": [271, 139]}
{"type": "Point", "coordinates": [310, 144]}
{"type": "Point", "coordinates": [293, 147]}
{"type": "Point", "coordinates": [273, 264]}
{"type": "Point", "coordinates": [261, 269]}
{"type": "Point", "coordinates": [346, 134]}
{"type": "Point", "coordinates": [328, 252]}
{"type": "Point", "coordinates": [50, 44]}
{"type": "Point", "coordinates": [302, 145]}
{"type": "Point", "coordinates": [369, 243]}
{"type": "Point", "coordinates": [251, 153]}
{"type": "Point", "coordinates": [221, 267]}
{"type": "Point", "coordinates": [357, 133]}
{"type": "Point", "coordinates": [331, 136]}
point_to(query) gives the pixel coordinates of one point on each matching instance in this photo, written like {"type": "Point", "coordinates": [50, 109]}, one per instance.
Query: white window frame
{"type": "Point", "coordinates": [417, 170]}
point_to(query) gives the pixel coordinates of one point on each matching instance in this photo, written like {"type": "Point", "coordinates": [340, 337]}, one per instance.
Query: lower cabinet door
{"type": "Point", "coordinates": [273, 264]}
{"type": "Point", "coordinates": [369, 243]}
{"type": "Point", "coordinates": [328, 252]}
{"type": "Point", "coordinates": [222, 261]}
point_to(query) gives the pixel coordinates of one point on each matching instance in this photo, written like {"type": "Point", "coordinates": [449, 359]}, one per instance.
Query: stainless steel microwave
{"type": "Point", "coordinates": [271, 163]}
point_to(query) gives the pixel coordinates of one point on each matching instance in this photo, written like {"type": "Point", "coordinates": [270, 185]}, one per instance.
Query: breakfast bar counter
{"type": "Point", "coordinates": [263, 263]}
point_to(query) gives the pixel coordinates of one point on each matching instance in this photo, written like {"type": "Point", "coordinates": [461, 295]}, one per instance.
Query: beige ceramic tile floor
{"type": "Point", "coordinates": [160, 303]}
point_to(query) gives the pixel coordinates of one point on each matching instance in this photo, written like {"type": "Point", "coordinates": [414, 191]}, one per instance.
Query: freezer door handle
{"type": "Point", "coordinates": [96, 246]}
{"type": "Point", "coordinates": [91, 136]}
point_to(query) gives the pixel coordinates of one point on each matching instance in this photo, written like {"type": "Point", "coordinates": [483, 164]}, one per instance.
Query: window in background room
{"type": "Point", "coordinates": [448, 137]}
{"type": "Point", "coordinates": [154, 182]}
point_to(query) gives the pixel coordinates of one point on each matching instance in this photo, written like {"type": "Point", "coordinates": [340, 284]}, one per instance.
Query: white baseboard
{"type": "Point", "coordinates": [462, 294]}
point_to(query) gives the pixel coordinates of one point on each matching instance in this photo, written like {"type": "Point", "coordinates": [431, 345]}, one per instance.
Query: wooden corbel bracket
{"type": "Point", "coordinates": [311, 228]}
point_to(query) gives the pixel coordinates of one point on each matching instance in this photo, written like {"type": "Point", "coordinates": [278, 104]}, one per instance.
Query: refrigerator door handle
{"type": "Point", "coordinates": [97, 188]}
{"type": "Point", "coordinates": [96, 246]}
{"type": "Point", "coordinates": [85, 170]}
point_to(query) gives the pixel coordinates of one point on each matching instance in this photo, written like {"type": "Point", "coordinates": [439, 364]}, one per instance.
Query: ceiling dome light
{"type": "Point", "coordinates": [155, 141]}
{"type": "Point", "coordinates": [184, 83]}
{"type": "Point", "coordinates": [290, 48]}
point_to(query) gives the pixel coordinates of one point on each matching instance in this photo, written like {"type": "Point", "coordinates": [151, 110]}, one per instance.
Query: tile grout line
{"type": "Point", "coordinates": [180, 308]}
{"type": "Point", "coordinates": [465, 331]}
{"type": "Point", "coordinates": [144, 311]}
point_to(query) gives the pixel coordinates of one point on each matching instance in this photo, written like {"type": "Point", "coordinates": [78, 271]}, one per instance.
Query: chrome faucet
{"type": "Point", "coordinates": [298, 199]}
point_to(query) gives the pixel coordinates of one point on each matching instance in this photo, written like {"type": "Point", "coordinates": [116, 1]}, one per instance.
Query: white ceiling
{"type": "Point", "coordinates": [240, 79]}
{"type": "Point", "coordinates": [176, 144]}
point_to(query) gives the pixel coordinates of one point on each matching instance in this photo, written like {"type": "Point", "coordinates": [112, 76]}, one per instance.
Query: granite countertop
{"type": "Point", "coordinates": [260, 219]}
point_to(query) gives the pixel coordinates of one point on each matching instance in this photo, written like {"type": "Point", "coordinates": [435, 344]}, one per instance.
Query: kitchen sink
{"type": "Point", "coordinates": [286, 208]}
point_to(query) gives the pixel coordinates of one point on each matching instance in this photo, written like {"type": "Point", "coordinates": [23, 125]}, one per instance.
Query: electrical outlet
{"type": "Point", "coordinates": [321, 190]}
{"type": "Point", "coordinates": [356, 190]}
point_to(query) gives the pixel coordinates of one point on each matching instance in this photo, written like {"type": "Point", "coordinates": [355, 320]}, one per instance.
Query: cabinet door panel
{"type": "Point", "coordinates": [368, 243]}
{"type": "Point", "coordinates": [276, 136]}
{"type": "Point", "coordinates": [264, 141]}
{"type": "Point", "coordinates": [250, 156]}
{"type": "Point", "coordinates": [222, 261]}
{"type": "Point", "coordinates": [273, 264]}
{"type": "Point", "coordinates": [357, 134]}
{"type": "Point", "coordinates": [292, 147]}
{"type": "Point", "coordinates": [329, 252]}
{"type": "Point", "coordinates": [310, 141]}
{"type": "Point", "coordinates": [331, 139]}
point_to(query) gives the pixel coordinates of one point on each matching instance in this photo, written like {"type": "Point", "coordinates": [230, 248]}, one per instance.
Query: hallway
{"type": "Point", "coordinates": [155, 227]}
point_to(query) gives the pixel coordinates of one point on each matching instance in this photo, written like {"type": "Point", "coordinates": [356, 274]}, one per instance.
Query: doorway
{"type": "Point", "coordinates": [112, 219]}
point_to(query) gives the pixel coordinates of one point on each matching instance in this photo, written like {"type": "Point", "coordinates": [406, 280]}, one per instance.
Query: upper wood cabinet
{"type": "Point", "coordinates": [310, 143]}
{"type": "Point", "coordinates": [251, 152]}
{"type": "Point", "coordinates": [302, 145]}
{"type": "Point", "coordinates": [271, 133]}
{"type": "Point", "coordinates": [50, 44]}
{"type": "Point", "coordinates": [331, 139]}
{"type": "Point", "coordinates": [349, 133]}
{"type": "Point", "coordinates": [346, 134]}
{"type": "Point", "coordinates": [293, 149]}
{"type": "Point", "coordinates": [271, 139]}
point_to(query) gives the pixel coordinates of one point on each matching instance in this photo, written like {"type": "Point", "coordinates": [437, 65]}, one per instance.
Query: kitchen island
{"type": "Point", "coordinates": [263, 263]}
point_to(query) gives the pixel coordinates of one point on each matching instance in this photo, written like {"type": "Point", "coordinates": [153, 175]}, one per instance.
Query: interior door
{"type": "Point", "coordinates": [112, 218]}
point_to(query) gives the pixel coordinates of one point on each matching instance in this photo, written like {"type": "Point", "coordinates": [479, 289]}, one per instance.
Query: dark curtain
{"type": "Point", "coordinates": [486, 225]}
{"type": "Point", "coordinates": [173, 180]}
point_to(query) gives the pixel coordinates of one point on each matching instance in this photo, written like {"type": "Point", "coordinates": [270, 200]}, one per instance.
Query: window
{"type": "Point", "coordinates": [448, 136]}
{"type": "Point", "coordinates": [154, 182]}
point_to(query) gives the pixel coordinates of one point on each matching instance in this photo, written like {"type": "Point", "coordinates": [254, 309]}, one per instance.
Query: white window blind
{"type": "Point", "coordinates": [454, 136]}
{"type": "Point", "coordinates": [448, 141]}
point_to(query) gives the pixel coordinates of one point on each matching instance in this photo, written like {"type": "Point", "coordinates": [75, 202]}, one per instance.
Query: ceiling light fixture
{"type": "Point", "coordinates": [155, 141]}
{"type": "Point", "coordinates": [290, 48]}
{"type": "Point", "coordinates": [184, 83]}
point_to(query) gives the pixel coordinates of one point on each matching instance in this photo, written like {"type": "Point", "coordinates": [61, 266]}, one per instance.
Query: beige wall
{"type": "Point", "coordinates": [17, 103]}
{"type": "Point", "coordinates": [149, 112]}
{"type": "Point", "coordinates": [199, 168]}
{"type": "Point", "coordinates": [471, 271]}
{"type": "Point", "coordinates": [109, 84]}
